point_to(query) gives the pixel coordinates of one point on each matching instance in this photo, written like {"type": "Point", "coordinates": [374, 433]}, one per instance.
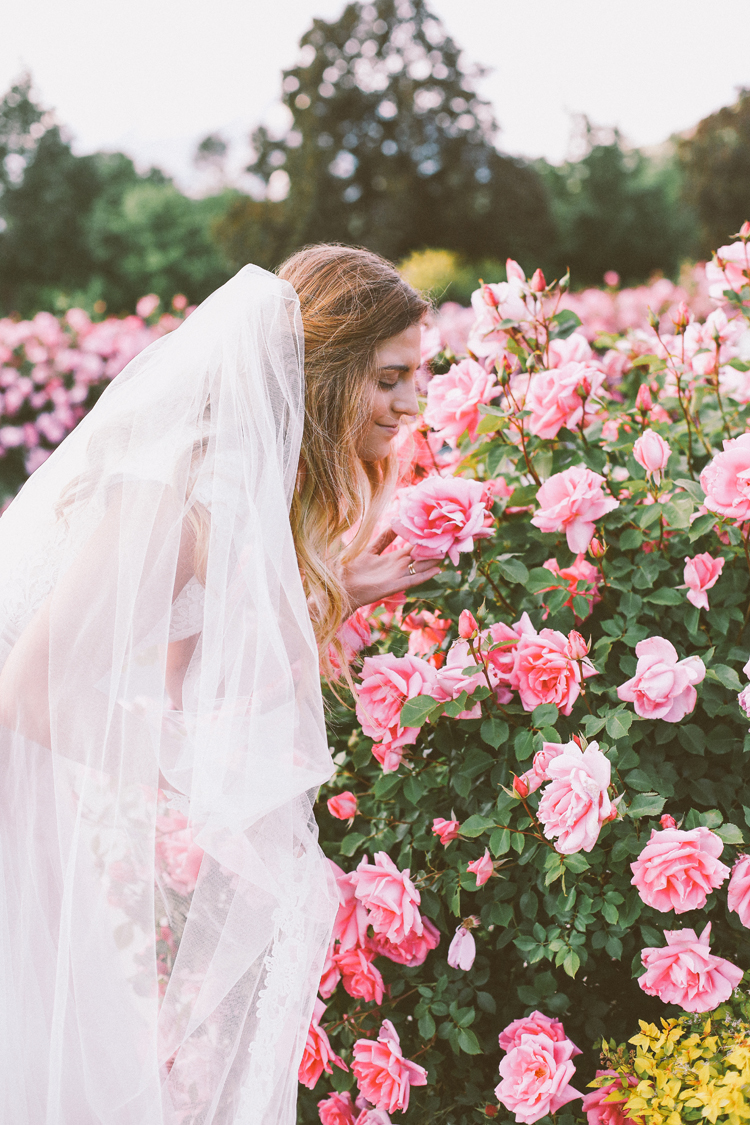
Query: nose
{"type": "Point", "coordinates": [406, 400]}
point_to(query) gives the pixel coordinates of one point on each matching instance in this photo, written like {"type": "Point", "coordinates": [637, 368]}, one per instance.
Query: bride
{"type": "Point", "coordinates": [171, 581]}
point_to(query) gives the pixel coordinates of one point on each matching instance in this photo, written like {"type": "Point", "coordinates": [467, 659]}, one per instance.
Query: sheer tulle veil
{"type": "Point", "coordinates": [164, 907]}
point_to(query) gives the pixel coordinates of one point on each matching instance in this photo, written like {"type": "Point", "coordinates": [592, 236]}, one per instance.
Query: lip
{"type": "Point", "coordinates": [392, 430]}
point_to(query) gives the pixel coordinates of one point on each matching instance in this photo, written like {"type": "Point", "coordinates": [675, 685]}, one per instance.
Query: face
{"type": "Point", "coordinates": [396, 363]}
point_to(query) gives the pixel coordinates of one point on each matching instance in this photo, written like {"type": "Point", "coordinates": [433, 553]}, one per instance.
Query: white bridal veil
{"type": "Point", "coordinates": [164, 905]}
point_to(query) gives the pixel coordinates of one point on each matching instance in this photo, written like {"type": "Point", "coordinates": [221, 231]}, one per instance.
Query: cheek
{"type": "Point", "coordinates": [379, 404]}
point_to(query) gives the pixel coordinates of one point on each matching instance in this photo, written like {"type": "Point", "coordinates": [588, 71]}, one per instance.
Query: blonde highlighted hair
{"type": "Point", "coordinates": [352, 301]}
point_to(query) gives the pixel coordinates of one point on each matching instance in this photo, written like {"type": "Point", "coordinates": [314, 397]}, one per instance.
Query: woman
{"type": "Point", "coordinates": [165, 908]}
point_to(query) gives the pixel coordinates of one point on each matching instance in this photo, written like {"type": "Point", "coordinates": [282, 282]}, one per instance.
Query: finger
{"type": "Point", "coordinates": [421, 576]}
{"type": "Point", "coordinates": [383, 541]}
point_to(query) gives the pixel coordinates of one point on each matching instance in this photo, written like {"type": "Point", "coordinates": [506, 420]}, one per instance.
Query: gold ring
{"type": "Point", "coordinates": [412, 568]}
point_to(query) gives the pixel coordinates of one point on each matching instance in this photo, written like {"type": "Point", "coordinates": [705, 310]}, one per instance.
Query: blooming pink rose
{"type": "Point", "coordinates": [687, 973]}
{"type": "Point", "coordinates": [571, 501]}
{"type": "Point", "coordinates": [606, 1106]}
{"type": "Point", "coordinates": [728, 269]}
{"type": "Point", "coordinates": [355, 633]}
{"type": "Point", "coordinates": [556, 398]}
{"type": "Point", "coordinates": [544, 671]}
{"type": "Point", "coordinates": [359, 976]}
{"type": "Point", "coordinates": [701, 573]}
{"type": "Point", "coordinates": [536, 1078]}
{"type": "Point", "coordinates": [738, 898]}
{"type": "Point", "coordinates": [575, 804]}
{"type": "Point", "coordinates": [535, 1024]}
{"type": "Point", "coordinates": [581, 577]}
{"type": "Point", "coordinates": [336, 1109]}
{"type": "Point", "coordinates": [447, 830]}
{"type": "Point", "coordinates": [662, 687]}
{"type": "Point", "coordinates": [726, 480]}
{"type": "Point", "coordinates": [343, 806]}
{"type": "Point", "coordinates": [651, 452]}
{"type": "Point", "coordinates": [390, 897]}
{"type": "Point", "coordinates": [453, 399]}
{"type": "Point", "coordinates": [483, 867]}
{"type": "Point", "coordinates": [387, 682]}
{"type": "Point", "coordinates": [462, 949]}
{"type": "Point", "coordinates": [370, 1116]}
{"type": "Point", "coordinates": [350, 926]}
{"type": "Point", "coordinates": [318, 1054]}
{"type": "Point", "coordinates": [412, 950]}
{"type": "Point", "coordinates": [501, 655]}
{"type": "Point", "coordinates": [452, 678]}
{"type": "Point", "coordinates": [383, 1075]}
{"type": "Point", "coordinates": [178, 858]}
{"type": "Point", "coordinates": [146, 305]}
{"type": "Point", "coordinates": [443, 516]}
{"type": "Point", "coordinates": [426, 631]}
{"type": "Point", "coordinates": [390, 756]}
{"type": "Point", "coordinates": [677, 870]}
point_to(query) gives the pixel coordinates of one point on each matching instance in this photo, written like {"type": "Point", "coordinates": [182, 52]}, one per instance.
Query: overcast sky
{"type": "Point", "coordinates": [152, 77]}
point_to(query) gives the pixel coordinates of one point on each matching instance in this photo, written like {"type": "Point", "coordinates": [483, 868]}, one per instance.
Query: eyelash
{"type": "Point", "coordinates": [387, 386]}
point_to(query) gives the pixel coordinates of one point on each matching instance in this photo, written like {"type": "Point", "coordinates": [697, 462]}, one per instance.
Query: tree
{"type": "Point", "coordinates": [716, 165]}
{"type": "Point", "coordinates": [616, 209]}
{"type": "Point", "coordinates": [390, 147]}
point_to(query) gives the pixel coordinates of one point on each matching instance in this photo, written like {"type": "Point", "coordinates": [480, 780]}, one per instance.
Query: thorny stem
{"type": "Point", "coordinates": [484, 571]}
{"type": "Point", "coordinates": [717, 388]}
{"type": "Point", "coordinates": [522, 435]}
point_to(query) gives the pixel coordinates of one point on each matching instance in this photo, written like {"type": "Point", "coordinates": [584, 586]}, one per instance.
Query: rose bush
{"type": "Point", "coordinates": [567, 781]}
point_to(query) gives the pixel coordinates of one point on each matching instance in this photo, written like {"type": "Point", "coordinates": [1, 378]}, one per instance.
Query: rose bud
{"type": "Point", "coordinates": [667, 821]}
{"type": "Point", "coordinates": [597, 549]}
{"type": "Point", "coordinates": [467, 625]}
{"type": "Point", "coordinates": [577, 647]}
{"type": "Point", "coordinates": [643, 400]}
{"type": "Point", "coordinates": [651, 452]}
{"type": "Point", "coordinates": [538, 282]}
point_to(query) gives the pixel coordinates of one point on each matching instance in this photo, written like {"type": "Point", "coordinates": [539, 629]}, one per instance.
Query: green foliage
{"type": "Point", "coordinates": [390, 148]}
{"type": "Point", "coordinates": [559, 933]}
{"type": "Point", "coordinates": [715, 160]}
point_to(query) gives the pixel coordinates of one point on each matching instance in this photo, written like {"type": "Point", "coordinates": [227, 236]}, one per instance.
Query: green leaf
{"type": "Point", "coordinates": [352, 843]}
{"type": "Point", "coordinates": [691, 486]}
{"type": "Point", "coordinates": [545, 715]}
{"type": "Point", "coordinates": [475, 826]}
{"type": "Point", "coordinates": [540, 579]}
{"type": "Point", "coordinates": [730, 834]}
{"type": "Point", "coordinates": [701, 526]}
{"type": "Point", "coordinates": [725, 675]}
{"type": "Point", "coordinates": [666, 596]}
{"type": "Point", "coordinates": [646, 804]}
{"type": "Point", "coordinates": [490, 424]}
{"type": "Point", "coordinates": [468, 1042]}
{"type": "Point", "coordinates": [571, 963]}
{"type": "Point", "coordinates": [415, 711]}
{"type": "Point", "coordinates": [692, 739]}
{"type": "Point", "coordinates": [486, 1002]}
{"type": "Point", "coordinates": [494, 732]}
{"type": "Point", "coordinates": [648, 515]}
{"type": "Point", "coordinates": [500, 842]}
{"type": "Point", "coordinates": [619, 723]}
{"type": "Point", "coordinates": [562, 324]}
{"type": "Point", "coordinates": [678, 511]}
{"type": "Point", "coordinates": [426, 1026]}
{"type": "Point", "coordinates": [513, 570]}
{"type": "Point", "coordinates": [576, 863]}
{"type": "Point", "coordinates": [639, 780]}
{"type": "Point", "coordinates": [523, 744]}
{"type": "Point", "coordinates": [592, 724]}
{"type": "Point", "coordinates": [631, 539]}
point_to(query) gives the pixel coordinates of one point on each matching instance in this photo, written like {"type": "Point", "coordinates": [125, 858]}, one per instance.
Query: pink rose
{"type": "Point", "coordinates": [739, 889]}
{"type": "Point", "coordinates": [390, 897]}
{"type": "Point", "coordinates": [383, 1075]}
{"type": "Point", "coordinates": [678, 870]}
{"type": "Point", "coordinates": [537, 775]}
{"type": "Point", "coordinates": [662, 687]}
{"type": "Point", "coordinates": [651, 452]}
{"type": "Point", "coordinates": [331, 975]}
{"type": "Point", "coordinates": [556, 398]}
{"type": "Point", "coordinates": [701, 573]}
{"type": "Point", "coordinates": [667, 821]}
{"type": "Point", "coordinates": [603, 1106]}
{"type": "Point", "coordinates": [728, 269]}
{"type": "Point", "coordinates": [350, 926]}
{"type": "Point", "coordinates": [387, 682]}
{"type": "Point", "coordinates": [426, 631]}
{"type": "Point", "coordinates": [535, 1024]}
{"type": "Point", "coordinates": [575, 804]}
{"type": "Point", "coordinates": [177, 857]}
{"type": "Point", "coordinates": [544, 671]}
{"type": "Point", "coordinates": [581, 577]}
{"type": "Point", "coordinates": [412, 950]}
{"type": "Point", "coordinates": [343, 806]}
{"type": "Point", "coordinates": [685, 972]}
{"type": "Point", "coordinates": [452, 679]}
{"type": "Point", "coordinates": [453, 399]}
{"type": "Point", "coordinates": [571, 501]}
{"type": "Point", "coordinates": [390, 756]}
{"type": "Point", "coordinates": [467, 625]}
{"type": "Point", "coordinates": [318, 1054]}
{"type": "Point", "coordinates": [146, 305]}
{"type": "Point", "coordinates": [643, 401]}
{"type": "Point", "coordinates": [536, 1078]}
{"type": "Point", "coordinates": [447, 830]}
{"type": "Point", "coordinates": [370, 1116]}
{"type": "Point", "coordinates": [443, 516]}
{"type": "Point", "coordinates": [359, 976]}
{"type": "Point", "coordinates": [462, 950]}
{"type": "Point", "coordinates": [355, 633]}
{"type": "Point", "coordinates": [501, 655]}
{"type": "Point", "coordinates": [726, 480]}
{"type": "Point", "coordinates": [483, 867]}
{"type": "Point", "coordinates": [337, 1109]}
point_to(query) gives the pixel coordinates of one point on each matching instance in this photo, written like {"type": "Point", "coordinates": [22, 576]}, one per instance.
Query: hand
{"type": "Point", "coordinates": [373, 576]}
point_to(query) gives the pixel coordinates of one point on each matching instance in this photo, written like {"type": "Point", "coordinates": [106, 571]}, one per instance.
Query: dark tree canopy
{"type": "Point", "coordinates": [390, 147]}
{"type": "Point", "coordinates": [617, 210]}
{"type": "Point", "coordinates": [716, 168]}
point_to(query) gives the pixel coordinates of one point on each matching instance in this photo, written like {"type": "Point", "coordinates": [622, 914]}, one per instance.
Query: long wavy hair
{"type": "Point", "coordinates": [351, 302]}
